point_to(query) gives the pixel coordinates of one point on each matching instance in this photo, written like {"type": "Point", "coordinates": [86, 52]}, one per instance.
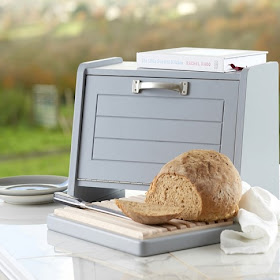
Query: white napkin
{"type": "Point", "coordinates": [259, 217]}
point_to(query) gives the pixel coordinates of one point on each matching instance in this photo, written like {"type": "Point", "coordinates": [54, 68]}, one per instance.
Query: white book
{"type": "Point", "coordinates": [200, 59]}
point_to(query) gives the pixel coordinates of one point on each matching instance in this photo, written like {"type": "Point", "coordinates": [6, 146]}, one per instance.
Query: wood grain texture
{"type": "Point", "coordinates": [128, 227]}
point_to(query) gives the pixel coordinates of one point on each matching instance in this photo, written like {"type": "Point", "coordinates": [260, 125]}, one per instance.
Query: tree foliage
{"type": "Point", "coordinates": [53, 59]}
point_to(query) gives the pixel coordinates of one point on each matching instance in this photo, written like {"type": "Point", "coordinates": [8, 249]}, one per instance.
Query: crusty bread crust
{"type": "Point", "coordinates": [215, 178]}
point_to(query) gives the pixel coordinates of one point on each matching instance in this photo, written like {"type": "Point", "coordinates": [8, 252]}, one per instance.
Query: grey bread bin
{"type": "Point", "coordinates": [128, 122]}
{"type": "Point", "coordinates": [121, 139]}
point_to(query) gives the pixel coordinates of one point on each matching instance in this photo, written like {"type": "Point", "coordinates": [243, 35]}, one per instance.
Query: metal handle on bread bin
{"type": "Point", "coordinates": [137, 85]}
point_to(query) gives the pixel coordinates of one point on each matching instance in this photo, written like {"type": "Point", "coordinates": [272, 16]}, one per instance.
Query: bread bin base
{"type": "Point", "coordinates": [142, 248]}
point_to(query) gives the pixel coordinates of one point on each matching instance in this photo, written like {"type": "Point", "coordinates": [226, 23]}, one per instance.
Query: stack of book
{"type": "Point", "coordinates": [200, 59]}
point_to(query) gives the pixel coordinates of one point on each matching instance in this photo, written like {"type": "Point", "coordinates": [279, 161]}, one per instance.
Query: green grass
{"type": "Point", "coordinates": [69, 29]}
{"type": "Point", "coordinates": [21, 140]}
{"type": "Point", "coordinates": [21, 143]}
{"type": "Point", "coordinates": [26, 31]}
{"type": "Point", "coordinates": [45, 165]}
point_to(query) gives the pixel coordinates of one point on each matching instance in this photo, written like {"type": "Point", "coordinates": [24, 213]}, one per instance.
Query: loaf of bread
{"type": "Point", "coordinates": [148, 214]}
{"type": "Point", "coordinates": [204, 183]}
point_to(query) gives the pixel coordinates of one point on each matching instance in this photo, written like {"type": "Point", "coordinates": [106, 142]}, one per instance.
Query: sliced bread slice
{"type": "Point", "coordinates": [149, 214]}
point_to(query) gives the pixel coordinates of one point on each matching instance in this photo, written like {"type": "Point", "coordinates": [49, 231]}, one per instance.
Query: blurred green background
{"type": "Point", "coordinates": [42, 43]}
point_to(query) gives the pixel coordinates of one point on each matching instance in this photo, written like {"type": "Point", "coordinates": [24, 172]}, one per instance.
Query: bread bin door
{"type": "Point", "coordinates": [126, 137]}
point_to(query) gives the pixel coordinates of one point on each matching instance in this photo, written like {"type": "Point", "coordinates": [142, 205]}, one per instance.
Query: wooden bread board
{"type": "Point", "coordinates": [130, 228]}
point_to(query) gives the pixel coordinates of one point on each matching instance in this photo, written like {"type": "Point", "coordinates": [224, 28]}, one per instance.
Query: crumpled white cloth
{"type": "Point", "coordinates": [259, 217]}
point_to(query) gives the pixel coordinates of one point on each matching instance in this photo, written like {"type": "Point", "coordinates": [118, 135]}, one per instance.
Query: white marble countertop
{"type": "Point", "coordinates": [28, 250]}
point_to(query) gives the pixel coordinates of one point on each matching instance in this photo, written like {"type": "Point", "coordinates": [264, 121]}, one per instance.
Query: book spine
{"type": "Point", "coordinates": [179, 62]}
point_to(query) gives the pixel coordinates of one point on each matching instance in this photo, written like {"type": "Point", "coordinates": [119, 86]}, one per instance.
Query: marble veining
{"type": "Point", "coordinates": [34, 252]}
